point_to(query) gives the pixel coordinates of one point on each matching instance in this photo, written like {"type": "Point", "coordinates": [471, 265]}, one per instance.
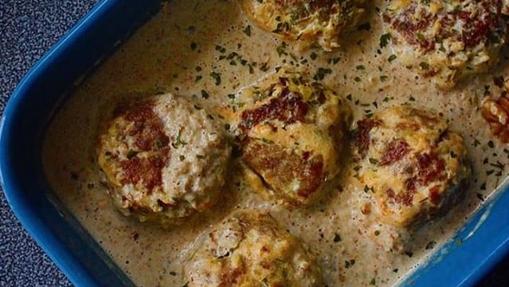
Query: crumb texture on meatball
{"type": "Point", "coordinates": [315, 22]}
{"type": "Point", "coordinates": [495, 110]}
{"type": "Point", "coordinates": [447, 40]}
{"type": "Point", "coordinates": [291, 132]}
{"type": "Point", "coordinates": [250, 249]}
{"type": "Point", "coordinates": [412, 163]}
{"type": "Point", "coordinates": [164, 158]}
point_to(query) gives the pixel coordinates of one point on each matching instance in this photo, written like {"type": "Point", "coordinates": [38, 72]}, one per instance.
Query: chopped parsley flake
{"type": "Point", "coordinates": [321, 73]}
{"type": "Point", "coordinates": [247, 30]}
{"type": "Point", "coordinates": [217, 78]}
{"type": "Point", "coordinates": [384, 40]}
{"type": "Point", "coordinates": [178, 141]}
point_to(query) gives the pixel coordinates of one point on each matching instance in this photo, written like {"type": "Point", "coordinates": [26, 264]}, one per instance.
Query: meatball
{"type": "Point", "coordinates": [447, 40]}
{"type": "Point", "coordinates": [495, 110]}
{"type": "Point", "coordinates": [250, 249]}
{"type": "Point", "coordinates": [291, 133]}
{"type": "Point", "coordinates": [310, 22]}
{"type": "Point", "coordinates": [414, 166]}
{"type": "Point", "coordinates": [164, 158]}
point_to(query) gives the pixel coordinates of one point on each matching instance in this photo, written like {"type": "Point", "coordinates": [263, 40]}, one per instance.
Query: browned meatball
{"type": "Point", "coordinates": [447, 40]}
{"type": "Point", "coordinates": [164, 159]}
{"type": "Point", "coordinates": [249, 249]}
{"type": "Point", "coordinates": [414, 165]}
{"type": "Point", "coordinates": [291, 132]}
{"type": "Point", "coordinates": [309, 22]}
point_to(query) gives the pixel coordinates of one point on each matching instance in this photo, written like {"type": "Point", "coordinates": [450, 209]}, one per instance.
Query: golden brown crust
{"type": "Point", "coordinates": [447, 40]}
{"type": "Point", "coordinates": [249, 249]}
{"type": "Point", "coordinates": [291, 132]}
{"type": "Point", "coordinates": [281, 167]}
{"type": "Point", "coordinates": [146, 152]}
{"type": "Point", "coordinates": [148, 147]}
{"type": "Point", "coordinates": [413, 164]}
{"type": "Point", "coordinates": [315, 22]}
{"type": "Point", "coordinates": [496, 111]}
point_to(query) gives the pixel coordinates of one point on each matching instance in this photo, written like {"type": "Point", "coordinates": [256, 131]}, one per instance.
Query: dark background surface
{"type": "Point", "coordinates": [28, 28]}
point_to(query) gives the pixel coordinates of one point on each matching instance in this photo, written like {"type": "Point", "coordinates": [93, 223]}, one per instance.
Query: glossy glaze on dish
{"type": "Point", "coordinates": [207, 51]}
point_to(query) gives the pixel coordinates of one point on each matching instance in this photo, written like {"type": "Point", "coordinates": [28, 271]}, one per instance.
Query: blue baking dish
{"type": "Point", "coordinates": [474, 250]}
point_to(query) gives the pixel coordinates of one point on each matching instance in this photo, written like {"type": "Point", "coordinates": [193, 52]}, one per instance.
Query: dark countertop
{"type": "Point", "coordinates": [27, 30]}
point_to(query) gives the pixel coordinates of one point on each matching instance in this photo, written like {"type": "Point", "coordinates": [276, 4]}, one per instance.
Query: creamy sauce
{"type": "Point", "coordinates": [187, 49]}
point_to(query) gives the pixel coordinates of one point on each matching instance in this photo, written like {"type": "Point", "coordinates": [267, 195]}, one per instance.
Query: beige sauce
{"type": "Point", "coordinates": [177, 51]}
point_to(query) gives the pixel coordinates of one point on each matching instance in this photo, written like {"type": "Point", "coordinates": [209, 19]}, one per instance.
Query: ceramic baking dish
{"type": "Point", "coordinates": [475, 249]}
